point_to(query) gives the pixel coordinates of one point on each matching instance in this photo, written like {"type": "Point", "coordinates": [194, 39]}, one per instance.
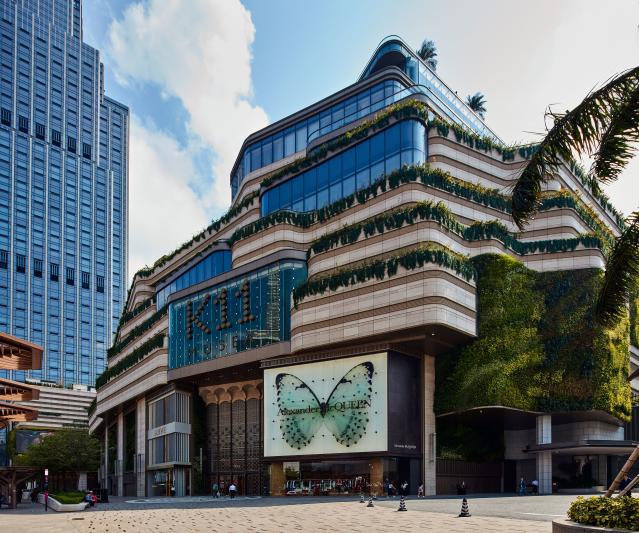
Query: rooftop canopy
{"type": "Point", "coordinates": [18, 354]}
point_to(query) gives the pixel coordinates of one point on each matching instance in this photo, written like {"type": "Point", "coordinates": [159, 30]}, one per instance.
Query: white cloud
{"type": "Point", "coordinates": [199, 52]}
{"type": "Point", "coordinates": [164, 210]}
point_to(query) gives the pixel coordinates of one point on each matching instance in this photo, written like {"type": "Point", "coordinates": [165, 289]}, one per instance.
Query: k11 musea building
{"type": "Point", "coordinates": [367, 312]}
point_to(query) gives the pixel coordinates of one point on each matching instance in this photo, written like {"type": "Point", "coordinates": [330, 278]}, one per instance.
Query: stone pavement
{"type": "Point", "coordinates": [271, 516]}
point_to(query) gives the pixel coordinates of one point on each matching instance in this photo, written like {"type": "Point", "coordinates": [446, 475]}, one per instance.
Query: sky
{"type": "Point", "coordinates": [199, 76]}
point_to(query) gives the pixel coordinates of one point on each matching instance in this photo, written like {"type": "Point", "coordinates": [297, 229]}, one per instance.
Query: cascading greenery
{"type": "Point", "coordinates": [634, 318]}
{"type": "Point", "coordinates": [444, 217]}
{"type": "Point", "coordinates": [215, 226]}
{"type": "Point", "coordinates": [137, 331]}
{"type": "Point", "coordinates": [408, 259]}
{"type": "Point", "coordinates": [538, 345]}
{"type": "Point", "coordinates": [127, 362]}
{"type": "Point", "coordinates": [429, 177]}
{"type": "Point", "coordinates": [129, 315]}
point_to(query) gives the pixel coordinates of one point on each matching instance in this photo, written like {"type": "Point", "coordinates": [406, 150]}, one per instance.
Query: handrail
{"type": "Point", "coordinates": [413, 54]}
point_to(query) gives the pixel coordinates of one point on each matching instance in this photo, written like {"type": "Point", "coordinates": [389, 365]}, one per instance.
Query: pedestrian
{"type": "Point", "coordinates": [522, 487]}
{"type": "Point", "coordinates": [391, 490]}
{"type": "Point", "coordinates": [46, 500]}
{"type": "Point", "coordinates": [232, 490]}
{"type": "Point", "coordinates": [535, 486]}
{"type": "Point", "coordinates": [215, 490]}
{"type": "Point", "coordinates": [420, 490]}
{"type": "Point", "coordinates": [624, 483]}
{"type": "Point", "coordinates": [404, 488]}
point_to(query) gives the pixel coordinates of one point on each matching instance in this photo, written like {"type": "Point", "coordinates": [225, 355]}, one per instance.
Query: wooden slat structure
{"type": "Point", "coordinates": [11, 477]}
{"type": "Point", "coordinates": [18, 354]}
{"type": "Point", "coordinates": [18, 392]}
{"type": "Point", "coordinates": [10, 412]}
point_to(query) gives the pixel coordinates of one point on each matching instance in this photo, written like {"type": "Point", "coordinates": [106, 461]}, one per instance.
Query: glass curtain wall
{"type": "Point", "coordinates": [404, 143]}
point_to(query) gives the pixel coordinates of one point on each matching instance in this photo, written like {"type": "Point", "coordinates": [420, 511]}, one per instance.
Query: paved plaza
{"type": "Point", "coordinates": [130, 515]}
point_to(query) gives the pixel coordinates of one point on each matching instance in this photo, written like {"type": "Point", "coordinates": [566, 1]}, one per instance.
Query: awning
{"type": "Point", "coordinates": [17, 391]}
{"type": "Point", "coordinates": [18, 354]}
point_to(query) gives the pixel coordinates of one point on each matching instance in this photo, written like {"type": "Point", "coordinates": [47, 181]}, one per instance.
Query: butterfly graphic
{"type": "Point", "coordinates": [345, 413]}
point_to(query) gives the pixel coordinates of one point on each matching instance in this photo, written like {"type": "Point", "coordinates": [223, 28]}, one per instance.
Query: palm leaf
{"type": "Point", "coordinates": [622, 275]}
{"type": "Point", "coordinates": [580, 130]}
{"type": "Point", "coordinates": [619, 142]}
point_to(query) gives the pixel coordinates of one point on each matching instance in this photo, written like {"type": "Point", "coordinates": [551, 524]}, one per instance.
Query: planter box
{"type": "Point", "coordinates": [568, 526]}
{"type": "Point", "coordinates": [62, 507]}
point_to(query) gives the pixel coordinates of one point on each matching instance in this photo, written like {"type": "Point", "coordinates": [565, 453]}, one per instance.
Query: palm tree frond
{"type": "Point", "coordinates": [619, 142]}
{"type": "Point", "coordinates": [622, 275]}
{"type": "Point", "coordinates": [428, 52]}
{"type": "Point", "coordinates": [579, 130]}
{"type": "Point", "coordinates": [477, 103]}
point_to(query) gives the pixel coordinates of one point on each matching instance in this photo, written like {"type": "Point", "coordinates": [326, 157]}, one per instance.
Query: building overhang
{"type": "Point", "coordinates": [18, 354]}
{"type": "Point", "coordinates": [586, 447]}
{"type": "Point", "coordinates": [516, 419]}
{"type": "Point", "coordinates": [17, 391]}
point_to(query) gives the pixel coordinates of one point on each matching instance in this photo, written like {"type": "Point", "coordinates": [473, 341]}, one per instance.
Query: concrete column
{"type": "Point", "coordinates": [119, 469]}
{"type": "Point", "coordinates": [82, 481]}
{"type": "Point", "coordinates": [377, 476]}
{"type": "Point", "coordinates": [544, 459]}
{"type": "Point", "coordinates": [430, 438]}
{"type": "Point", "coordinates": [140, 447]}
{"type": "Point", "coordinates": [104, 482]}
{"type": "Point", "coordinates": [277, 479]}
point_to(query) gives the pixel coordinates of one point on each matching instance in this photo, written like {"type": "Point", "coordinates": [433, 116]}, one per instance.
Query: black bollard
{"type": "Point", "coordinates": [370, 502]}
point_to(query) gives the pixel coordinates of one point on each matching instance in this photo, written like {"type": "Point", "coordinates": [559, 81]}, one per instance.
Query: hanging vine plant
{"type": "Point", "coordinates": [137, 331]}
{"type": "Point", "coordinates": [382, 268]}
{"type": "Point", "coordinates": [127, 362]}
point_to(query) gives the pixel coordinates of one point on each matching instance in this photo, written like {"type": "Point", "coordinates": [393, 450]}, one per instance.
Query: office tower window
{"type": "Point", "coordinates": [86, 150]}
{"type": "Point", "coordinates": [70, 276]}
{"type": "Point", "coordinates": [99, 283]}
{"type": "Point", "coordinates": [71, 144]}
{"type": "Point", "coordinates": [56, 138]}
{"type": "Point", "coordinates": [21, 263]}
{"type": "Point", "coordinates": [4, 259]}
{"type": "Point", "coordinates": [86, 280]}
{"type": "Point", "coordinates": [5, 117]}
{"type": "Point", "coordinates": [23, 124]}
{"type": "Point", "coordinates": [37, 268]}
{"type": "Point", "coordinates": [40, 132]}
{"type": "Point", "coordinates": [54, 272]}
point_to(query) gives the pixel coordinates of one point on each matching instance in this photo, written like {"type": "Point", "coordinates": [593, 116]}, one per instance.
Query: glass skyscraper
{"type": "Point", "coordinates": [63, 191]}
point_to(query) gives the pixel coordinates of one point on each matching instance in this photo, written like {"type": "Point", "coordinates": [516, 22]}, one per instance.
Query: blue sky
{"type": "Point", "coordinates": [200, 75]}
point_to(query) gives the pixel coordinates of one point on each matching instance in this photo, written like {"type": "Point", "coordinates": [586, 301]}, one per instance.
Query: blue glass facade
{"type": "Point", "coordinates": [63, 191]}
{"type": "Point", "coordinates": [404, 143]}
{"type": "Point", "coordinates": [295, 138]}
{"type": "Point", "coordinates": [247, 312]}
{"type": "Point", "coordinates": [212, 265]}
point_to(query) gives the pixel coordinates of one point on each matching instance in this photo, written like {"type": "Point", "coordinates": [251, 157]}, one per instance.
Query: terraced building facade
{"type": "Point", "coordinates": [367, 312]}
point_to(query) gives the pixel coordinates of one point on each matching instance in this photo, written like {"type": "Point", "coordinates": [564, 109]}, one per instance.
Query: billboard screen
{"type": "Point", "coordinates": [328, 407]}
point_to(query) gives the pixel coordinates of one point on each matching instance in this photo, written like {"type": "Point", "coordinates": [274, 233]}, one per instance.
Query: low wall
{"type": "Point", "coordinates": [62, 507]}
{"type": "Point", "coordinates": [568, 526]}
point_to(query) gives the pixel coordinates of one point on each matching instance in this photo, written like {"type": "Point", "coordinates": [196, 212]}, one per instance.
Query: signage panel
{"type": "Point", "coordinates": [336, 406]}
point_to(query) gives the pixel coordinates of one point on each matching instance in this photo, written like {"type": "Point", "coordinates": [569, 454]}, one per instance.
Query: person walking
{"type": "Point", "coordinates": [420, 490]}
{"type": "Point", "coordinates": [624, 483]}
{"type": "Point", "coordinates": [232, 490]}
{"type": "Point", "coordinates": [522, 487]}
{"type": "Point", "coordinates": [404, 488]}
{"type": "Point", "coordinates": [215, 490]}
{"type": "Point", "coordinates": [46, 500]}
